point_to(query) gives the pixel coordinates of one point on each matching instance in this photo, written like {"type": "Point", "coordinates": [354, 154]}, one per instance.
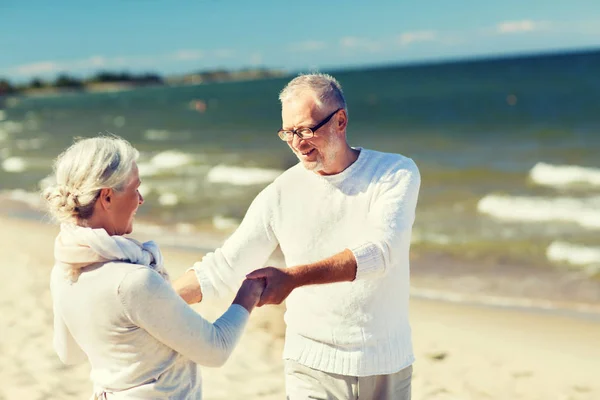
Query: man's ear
{"type": "Point", "coordinates": [105, 198]}
{"type": "Point", "coordinates": [342, 120]}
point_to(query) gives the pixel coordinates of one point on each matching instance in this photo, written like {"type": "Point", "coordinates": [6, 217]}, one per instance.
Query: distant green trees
{"type": "Point", "coordinates": [6, 87]}
{"type": "Point", "coordinates": [113, 77]}
{"type": "Point", "coordinates": [37, 83]}
{"type": "Point", "coordinates": [65, 81]}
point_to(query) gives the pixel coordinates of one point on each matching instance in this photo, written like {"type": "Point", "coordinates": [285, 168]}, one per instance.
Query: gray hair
{"type": "Point", "coordinates": [81, 171]}
{"type": "Point", "coordinates": [326, 89]}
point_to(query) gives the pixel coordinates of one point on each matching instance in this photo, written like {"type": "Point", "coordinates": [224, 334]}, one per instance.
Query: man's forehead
{"type": "Point", "coordinates": [302, 101]}
{"type": "Point", "coordinates": [299, 109]}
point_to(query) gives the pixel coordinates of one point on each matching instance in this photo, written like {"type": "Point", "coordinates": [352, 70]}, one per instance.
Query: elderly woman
{"type": "Point", "coordinates": [113, 302]}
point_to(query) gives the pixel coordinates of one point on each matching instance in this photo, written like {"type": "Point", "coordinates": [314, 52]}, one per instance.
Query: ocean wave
{"type": "Point", "coordinates": [502, 301]}
{"type": "Point", "coordinates": [30, 144]}
{"type": "Point", "coordinates": [162, 135]}
{"type": "Point", "coordinates": [573, 254]}
{"type": "Point", "coordinates": [165, 161]}
{"type": "Point", "coordinates": [171, 159]}
{"type": "Point", "coordinates": [585, 211]}
{"type": "Point", "coordinates": [430, 237]}
{"type": "Point", "coordinates": [168, 199]}
{"type": "Point", "coordinates": [157, 134]}
{"type": "Point", "coordinates": [2, 115]}
{"type": "Point", "coordinates": [14, 164]}
{"type": "Point", "coordinates": [564, 175]}
{"type": "Point", "coordinates": [225, 224]}
{"type": "Point", "coordinates": [32, 199]}
{"type": "Point", "coordinates": [242, 175]}
{"type": "Point", "coordinates": [10, 127]}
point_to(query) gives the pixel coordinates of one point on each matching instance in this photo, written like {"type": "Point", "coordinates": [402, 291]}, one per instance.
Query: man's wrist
{"type": "Point", "coordinates": [297, 275]}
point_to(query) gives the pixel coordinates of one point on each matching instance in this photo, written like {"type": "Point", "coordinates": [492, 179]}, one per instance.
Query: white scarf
{"type": "Point", "coordinates": [77, 247]}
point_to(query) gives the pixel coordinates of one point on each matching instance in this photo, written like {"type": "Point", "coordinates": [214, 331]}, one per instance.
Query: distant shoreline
{"type": "Point", "coordinates": [106, 82]}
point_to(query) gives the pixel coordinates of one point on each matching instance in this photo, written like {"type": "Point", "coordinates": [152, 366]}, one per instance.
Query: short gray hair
{"type": "Point", "coordinates": [326, 89]}
{"type": "Point", "coordinates": [81, 171]}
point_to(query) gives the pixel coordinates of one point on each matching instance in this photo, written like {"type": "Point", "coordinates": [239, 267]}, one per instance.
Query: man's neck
{"type": "Point", "coordinates": [343, 161]}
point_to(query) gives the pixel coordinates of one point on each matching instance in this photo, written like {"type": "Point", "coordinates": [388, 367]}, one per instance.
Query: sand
{"type": "Point", "coordinates": [463, 351]}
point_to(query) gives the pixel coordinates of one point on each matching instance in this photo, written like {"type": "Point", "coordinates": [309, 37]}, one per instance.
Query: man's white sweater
{"type": "Point", "coordinates": [357, 328]}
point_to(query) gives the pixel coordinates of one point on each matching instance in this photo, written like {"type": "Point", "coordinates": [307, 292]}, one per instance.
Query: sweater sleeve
{"type": "Point", "coordinates": [151, 303]}
{"type": "Point", "coordinates": [389, 222]}
{"type": "Point", "coordinates": [220, 273]}
{"type": "Point", "coordinates": [66, 347]}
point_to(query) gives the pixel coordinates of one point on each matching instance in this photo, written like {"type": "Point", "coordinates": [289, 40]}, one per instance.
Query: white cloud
{"type": "Point", "coordinates": [351, 42]}
{"type": "Point", "coordinates": [224, 53]}
{"type": "Point", "coordinates": [307, 46]}
{"type": "Point", "coordinates": [187, 55]}
{"type": "Point", "coordinates": [408, 38]}
{"type": "Point", "coordinates": [91, 62]}
{"type": "Point", "coordinates": [42, 67]}
{"type": "Point", "coordinates": [523, 26]}
{"type": "Point", "coordinates": [98, 62]}
{"type": "Point", "coordinates": [256, 59]}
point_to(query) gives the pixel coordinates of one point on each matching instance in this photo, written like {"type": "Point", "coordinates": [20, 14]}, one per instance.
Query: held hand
{"type": "Point", "coordinates": [249, 294]}
{"type": "Point", "coordinates": [280, 284]}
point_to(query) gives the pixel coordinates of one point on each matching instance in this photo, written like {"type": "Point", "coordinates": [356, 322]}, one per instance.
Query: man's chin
{"type": "Point", "coordinates": [310, 165]}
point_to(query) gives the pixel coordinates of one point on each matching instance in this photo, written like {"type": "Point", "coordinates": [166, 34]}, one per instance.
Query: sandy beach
{"type": "Point", "coordinates": [462, 351]}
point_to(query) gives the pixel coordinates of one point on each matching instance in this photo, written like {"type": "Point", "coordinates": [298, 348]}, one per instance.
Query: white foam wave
{"type": "Point", "coordinates": [32, 199]}
{"type": "Point", "coordinates": [430, 237]}
{"type": "Point", "coordinates": [157, 134]}
{"type": "Point", "coordinates": [225, 224]}
{"type": "Point", "coordinates": [241, 176]}
{"type": "Point", "coordinates": [30, 144]}
{"type": "Point", "coordinates": [585, 212]}
{"type": "Point", "coordinates": [499, 301]}
{"type": "Point", "coordinates": [573, 254]}
{"type": "Point", "coordinates": [14, 164]}
{"type": "Point", "coordinates": [171, 159]}
{"type": "Point", "coordinates": [168, 199]}
{"type": "Point", "coordinates": [165, 161]}
{"type": "Point", "coordinates": [11, 127]}
{"type": "Point", "coordinates": [564, 175]}
{"type": "Point", "coordinates": [119, 121]}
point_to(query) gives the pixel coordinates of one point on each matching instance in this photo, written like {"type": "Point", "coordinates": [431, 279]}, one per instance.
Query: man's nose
{"type": "Point", "coordinates": [296, 140]}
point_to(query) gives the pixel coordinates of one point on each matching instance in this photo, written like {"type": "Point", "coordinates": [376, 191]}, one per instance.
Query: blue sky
{"type": "Point", "coordinates": [42, 38]}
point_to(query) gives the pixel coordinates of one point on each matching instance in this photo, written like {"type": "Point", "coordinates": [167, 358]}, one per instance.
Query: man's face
{"type": "Point", "coordinates": [319, 152]}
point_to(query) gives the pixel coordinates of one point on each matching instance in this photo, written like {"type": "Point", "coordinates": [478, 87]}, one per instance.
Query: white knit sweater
{"type": "Point", "coordinates": [142, 340]}
{"type": "Point", "coordinates": [357, 328]}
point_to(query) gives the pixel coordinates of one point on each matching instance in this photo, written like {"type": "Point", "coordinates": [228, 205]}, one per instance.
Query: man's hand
{"type": "Point", "coordinates": [280, 284]}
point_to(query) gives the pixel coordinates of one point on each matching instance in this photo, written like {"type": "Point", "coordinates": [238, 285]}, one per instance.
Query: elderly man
{"type": "Point", "coordinates": [343, 219]}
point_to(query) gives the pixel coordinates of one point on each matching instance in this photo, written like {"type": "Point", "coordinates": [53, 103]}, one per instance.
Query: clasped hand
{"type": "Point", "coordinates": [279, 284]}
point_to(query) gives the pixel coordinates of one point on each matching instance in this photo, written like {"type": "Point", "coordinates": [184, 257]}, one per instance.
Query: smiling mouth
{"type": "Point", "coordinates": [307, 153]}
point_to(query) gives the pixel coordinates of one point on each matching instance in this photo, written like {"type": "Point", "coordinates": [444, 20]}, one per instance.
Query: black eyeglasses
{"type": "Point", "coordinates": [304, 133]}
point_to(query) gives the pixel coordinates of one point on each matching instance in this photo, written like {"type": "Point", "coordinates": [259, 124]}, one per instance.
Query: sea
{"type": "Point", "coordinates": [508, 149]}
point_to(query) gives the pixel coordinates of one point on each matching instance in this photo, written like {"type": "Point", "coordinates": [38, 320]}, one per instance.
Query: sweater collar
{"type": "Point", "coordinates": [351, 170]}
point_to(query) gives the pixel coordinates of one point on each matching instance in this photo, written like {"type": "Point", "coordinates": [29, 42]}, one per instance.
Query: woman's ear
{"type": "Point", "coordinates": [105, 198]}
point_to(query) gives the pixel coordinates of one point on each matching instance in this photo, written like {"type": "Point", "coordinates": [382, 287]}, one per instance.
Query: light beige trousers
{"type": "Point", "coordinates": [302, 383]}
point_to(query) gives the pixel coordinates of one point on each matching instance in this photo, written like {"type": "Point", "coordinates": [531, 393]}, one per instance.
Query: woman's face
{"type": "Point", "coordinates": [125, 204]}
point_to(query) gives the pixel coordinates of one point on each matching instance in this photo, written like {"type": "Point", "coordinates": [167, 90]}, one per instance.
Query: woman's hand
{"type": "Point", "coordinates": [249, 293]}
